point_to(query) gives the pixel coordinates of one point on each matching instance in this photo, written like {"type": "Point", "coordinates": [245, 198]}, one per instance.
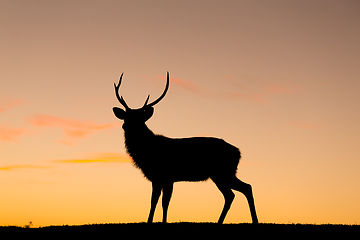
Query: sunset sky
{"type": "Point", "coordinates": [278, 79]}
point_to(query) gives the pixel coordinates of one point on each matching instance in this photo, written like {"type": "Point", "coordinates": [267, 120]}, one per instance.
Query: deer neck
{"type": "Point", "coordinates": [137, 138]}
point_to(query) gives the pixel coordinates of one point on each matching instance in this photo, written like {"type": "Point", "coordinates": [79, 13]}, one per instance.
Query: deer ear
{"type": "Point", "coordinates": [148, 112]}
{"type": "Point", "coordinates": [119, 113]}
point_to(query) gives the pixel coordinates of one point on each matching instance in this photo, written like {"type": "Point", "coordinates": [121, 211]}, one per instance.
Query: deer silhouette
{"type": "Point", "coordinates": [165, 161]}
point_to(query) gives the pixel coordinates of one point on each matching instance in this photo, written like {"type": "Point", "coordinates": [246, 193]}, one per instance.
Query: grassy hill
{"type": "Point", "coordinates": [185, 230]}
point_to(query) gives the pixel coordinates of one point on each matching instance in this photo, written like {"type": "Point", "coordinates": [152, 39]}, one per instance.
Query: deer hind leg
{"type": "Point", "coordinates": [167, 192]}
{"type": "Point", "coordinates": [229, 196]}
{"type": "Point", "coordinates": [246, 189]}
{"type": "Point", "coordinates": [156, 191]}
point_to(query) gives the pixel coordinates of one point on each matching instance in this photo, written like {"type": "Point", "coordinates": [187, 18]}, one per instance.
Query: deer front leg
{"type": "Point", "coordinates": [156, 191]}
{"type": "Point", "coordinates": [167, 192]}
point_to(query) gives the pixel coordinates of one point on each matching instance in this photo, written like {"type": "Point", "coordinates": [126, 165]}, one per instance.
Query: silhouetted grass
{"type": "Point", "coordinates": [186, 230]}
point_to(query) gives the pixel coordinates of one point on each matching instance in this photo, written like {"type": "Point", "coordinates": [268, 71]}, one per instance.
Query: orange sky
{"type": "Point", "coordinates": [278, 79]}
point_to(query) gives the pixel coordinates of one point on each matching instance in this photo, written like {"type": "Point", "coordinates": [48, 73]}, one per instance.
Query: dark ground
{"type": "Point", "coordinates": [184, 230]}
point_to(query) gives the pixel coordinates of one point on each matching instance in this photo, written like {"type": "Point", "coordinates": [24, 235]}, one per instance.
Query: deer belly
{"type": "Point", "coordinates": [187, 173]}
{"type": "Point", "coordinates": [175, 173]}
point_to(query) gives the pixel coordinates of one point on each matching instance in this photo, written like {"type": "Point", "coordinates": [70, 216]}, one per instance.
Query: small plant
{"type": "Point", "coordinates": [29, 225]}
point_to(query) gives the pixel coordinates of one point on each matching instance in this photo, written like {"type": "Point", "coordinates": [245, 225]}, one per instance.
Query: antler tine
{"type": "Point", "coordinates": [146, 101]}
{"type": "Point", "coordinates": [120, 98]}
{"type": "Point", "coordinates": [162, 95]}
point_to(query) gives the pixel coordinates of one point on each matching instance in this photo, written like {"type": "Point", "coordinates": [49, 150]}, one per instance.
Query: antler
{"type": "Point", "coordinates": [161, 97]}
{"type": "Point", "coordinates": [122, 101]}
{"type": "Point", "coordinates": [120, 98]}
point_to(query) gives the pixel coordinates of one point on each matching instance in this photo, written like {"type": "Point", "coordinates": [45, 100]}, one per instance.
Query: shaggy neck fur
{"type": "Point", "coordinates": [139, 140]}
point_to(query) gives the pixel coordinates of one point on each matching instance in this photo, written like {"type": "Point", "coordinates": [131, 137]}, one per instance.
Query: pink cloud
{"type": "Point", "coordinates": [72, 129]}
{"type": "Point", "coordinates": [8, 104]}
{"type": "Point", "coordinates": [11, 134]}
{"type": "Point", "coordinates": [189, 86]}
{"type": "Point", "coordinates": [248, 88]}
{"type": "Point", "coordinates": [260, 90]}
{"type": "Point", "coordinates": [192, 87]}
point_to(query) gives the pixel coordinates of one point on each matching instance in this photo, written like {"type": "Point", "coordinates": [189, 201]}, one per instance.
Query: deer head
{"type": "Point", "coordinates": [134, 117]}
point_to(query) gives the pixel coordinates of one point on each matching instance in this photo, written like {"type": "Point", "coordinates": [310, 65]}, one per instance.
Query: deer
{"type": "Point", "coordinates": [164, 161]}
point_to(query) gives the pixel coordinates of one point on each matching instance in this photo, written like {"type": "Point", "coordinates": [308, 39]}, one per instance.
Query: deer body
{"type": "Point", "coordinates": [164, 160]}
{"type": "Point", "coordinates": [181, 159]}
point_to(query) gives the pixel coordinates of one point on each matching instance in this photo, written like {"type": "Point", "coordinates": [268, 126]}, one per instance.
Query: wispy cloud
{"type": "Point", "coordinates": [10, 133]}
{"type": "Point", "coordinates": [254, 90]}
{"type": "Point", "coordinates": [8, 104]}
{"type": "Point", "coordinates": [194, 88]}
{"type": "Point", "coordinates": [99, 158]}
{"type": "Point", "coordinates": [190, 86]}
{"type": "Point", "coordinates": [92, 158]}
{"type": "Point", "coordinates": [72, 129]}
{"type": "Point", "coordinates": [259, 89]}
{"type": "Point", "coordinates": [22, 166]}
